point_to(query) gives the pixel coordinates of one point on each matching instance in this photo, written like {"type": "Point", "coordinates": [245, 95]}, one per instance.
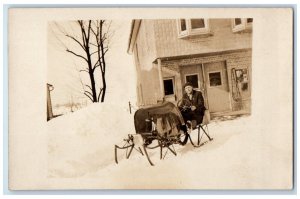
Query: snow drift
{"type": "Point", "coordinates": [82, 142]}
{"type": "Point", "coordinates": [242, 155]}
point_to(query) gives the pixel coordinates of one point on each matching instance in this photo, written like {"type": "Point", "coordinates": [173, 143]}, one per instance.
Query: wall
{"type": "Point", "coordinates": [237, 60]}
{"type": "Point", "coordinates": [168, 43]}
{"type": "Point", "coordinates": [145, 53]}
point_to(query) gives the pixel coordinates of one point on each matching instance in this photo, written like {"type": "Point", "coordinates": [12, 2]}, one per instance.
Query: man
{"type": "Point", "coordinates": [195, 102]}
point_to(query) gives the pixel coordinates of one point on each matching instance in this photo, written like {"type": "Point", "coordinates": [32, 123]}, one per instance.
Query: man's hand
{"type": "Point", "coordinates": [193, 108]}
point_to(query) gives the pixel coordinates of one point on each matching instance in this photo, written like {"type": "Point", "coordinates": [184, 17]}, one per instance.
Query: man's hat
{"type": "Point", "coordinates": [187, 84]}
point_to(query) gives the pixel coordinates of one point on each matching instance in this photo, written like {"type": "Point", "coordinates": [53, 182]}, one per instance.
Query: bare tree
{"type": "Point", "coordinates": [102, 41]}
{"type": "Point", "coordinates": [93, 41]}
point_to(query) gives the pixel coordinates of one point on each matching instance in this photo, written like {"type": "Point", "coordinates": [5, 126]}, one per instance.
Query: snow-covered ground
{"type": "Point", "coordinates": [62, 109]}
{"type": "Point", "coordinates": [242, 155]}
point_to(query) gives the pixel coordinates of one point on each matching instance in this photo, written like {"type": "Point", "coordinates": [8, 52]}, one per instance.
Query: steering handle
{"type": "Point", "coordinates": [184, 105]}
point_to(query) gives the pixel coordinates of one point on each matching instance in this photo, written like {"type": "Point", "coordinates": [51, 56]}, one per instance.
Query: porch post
{"type": "Point", "coordinates": [161, 82]}
{"type": "Point", "coordinates": [204, 86]}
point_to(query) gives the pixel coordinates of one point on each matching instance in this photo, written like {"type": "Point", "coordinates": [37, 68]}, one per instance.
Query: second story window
{"type": "Point", "coordinates": [237, 21]}
{"type": "Point", "coordinates": [191, 27]}
{"type": "Point", "coordinates": [182, 25]}
{"type": "Point", "coordinates": [241, 24]}
{"type": "Point", "coordinates": [249, 20]}
{"type": "Point", "coordinates": [197, 23]}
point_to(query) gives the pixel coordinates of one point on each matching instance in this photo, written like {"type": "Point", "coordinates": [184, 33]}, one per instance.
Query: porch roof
{"type": "Point", "coordinates": [171, 58]}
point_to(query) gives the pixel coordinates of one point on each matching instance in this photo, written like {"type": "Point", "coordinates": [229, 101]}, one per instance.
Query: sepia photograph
{"type": "Point", "coordinates": [151, 99]}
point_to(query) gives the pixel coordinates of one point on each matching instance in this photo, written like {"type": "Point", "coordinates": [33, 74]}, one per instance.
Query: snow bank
{"type": "Point", "coordinates": [238, 157]}
{"type": "Point", "coordinates": [242, 155]}
{"type": "Point", "coordinates": [82, 142]}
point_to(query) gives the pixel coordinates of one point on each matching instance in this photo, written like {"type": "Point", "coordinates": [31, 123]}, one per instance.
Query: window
{"type": "Point", "coordinates": [242, 24]}
{"type": "Point", "coordinates": [169, 86]}
{"type": "Point", "coordinates": [182, 25]}
{"type": "Point", "coordinates": [193, 79]}
{"type": "Point", "coordinates": [191, 27]}
{"type": "Point", "coordinates": [237, 21]}
{"type": "Point", "coordinates": [215, 79]}
{"type": "Point", "coordinates": [197, 23]}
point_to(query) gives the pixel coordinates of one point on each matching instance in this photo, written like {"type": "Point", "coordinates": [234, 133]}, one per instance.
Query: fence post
{"type": "Point", "coordinates": [129, 104]}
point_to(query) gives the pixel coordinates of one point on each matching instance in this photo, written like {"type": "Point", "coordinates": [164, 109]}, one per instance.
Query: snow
{"type": "Point", "coordinates": [81, 148]}
{"type": "Point", "coordinates": [79, 142]}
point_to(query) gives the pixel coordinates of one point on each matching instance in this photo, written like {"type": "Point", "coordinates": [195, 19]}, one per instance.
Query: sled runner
{"type": "Point", "coordinates": [161, 127]}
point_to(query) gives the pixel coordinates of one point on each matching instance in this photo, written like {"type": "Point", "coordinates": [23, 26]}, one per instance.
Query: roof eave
{"type": "Point", "coordinates": [135, 25]}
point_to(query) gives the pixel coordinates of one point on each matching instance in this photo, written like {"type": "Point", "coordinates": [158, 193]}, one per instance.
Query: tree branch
{"type": "Point", "coordinates": [93, 31]}
{"type": "Point", "coordinates": [95, 67]}
{"type": "Point", "coordinates": [93, 44]}
{"type": "Point", "coordinates": [94, 52]}
{"type": "Point", "coordinates": [87, 92]}
{"type": "Point", "coordinates": [76, 41]}
{"type": "Point", "coordinates": [103, 39]}
{"type": "Point", "coordinates": [89, 97]}
{"type": "Point", "coordinates": [89, 30]}
{"type": "Point", "coordinates": [83, 34]}
{"type": "Point", "coordinates": [77, 55]}
{"type": "Point", "coordinates": [88, 87]}
{"type": "Point", "coordinates": [105, 51]}
{"type": "Point", "coordinates": [96, 64]}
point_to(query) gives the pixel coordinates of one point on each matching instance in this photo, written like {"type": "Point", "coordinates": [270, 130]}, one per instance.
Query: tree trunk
{"type": "Point", "coordinates": [104, 87]}
{"type": "Point", "coordinates": [91, 73]}
{"type": "Point", "coordinates": [104, 67]}
{"type": "Point", "coordinates": [93, 86]}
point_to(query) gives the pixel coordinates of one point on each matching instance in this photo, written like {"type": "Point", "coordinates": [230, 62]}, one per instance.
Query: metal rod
{"type": "Point", "coordinates": [206, 133]}
{"type": "Point", "coordinates": [127, 156]}
{"type": "Point", "coordinates": [145, 150]}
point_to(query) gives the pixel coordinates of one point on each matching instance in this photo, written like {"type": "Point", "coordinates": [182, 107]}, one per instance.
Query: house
{"type": "Point", "coordinates": [213, 54]}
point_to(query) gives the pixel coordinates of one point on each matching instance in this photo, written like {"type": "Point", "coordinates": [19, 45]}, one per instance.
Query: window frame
{"type": "Point", "coordinates": [182, 33]}
{"type": "Point", "coordinates": [185, 25]}
{"type": "Point", "coordinates": [248, 24]}
{"type": "Point", "coordinates": [192, 31]}
{"type": "Point", "coordinates": [196, 31]}
{"type": "Point", "coordinates": [241, 27]}
{"type": "Point", "coordinates": [221, 75]}
{"type": "Point", "coordinates": [173, 84]}
{"type": "Point", "coordinates": [190, 74]}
